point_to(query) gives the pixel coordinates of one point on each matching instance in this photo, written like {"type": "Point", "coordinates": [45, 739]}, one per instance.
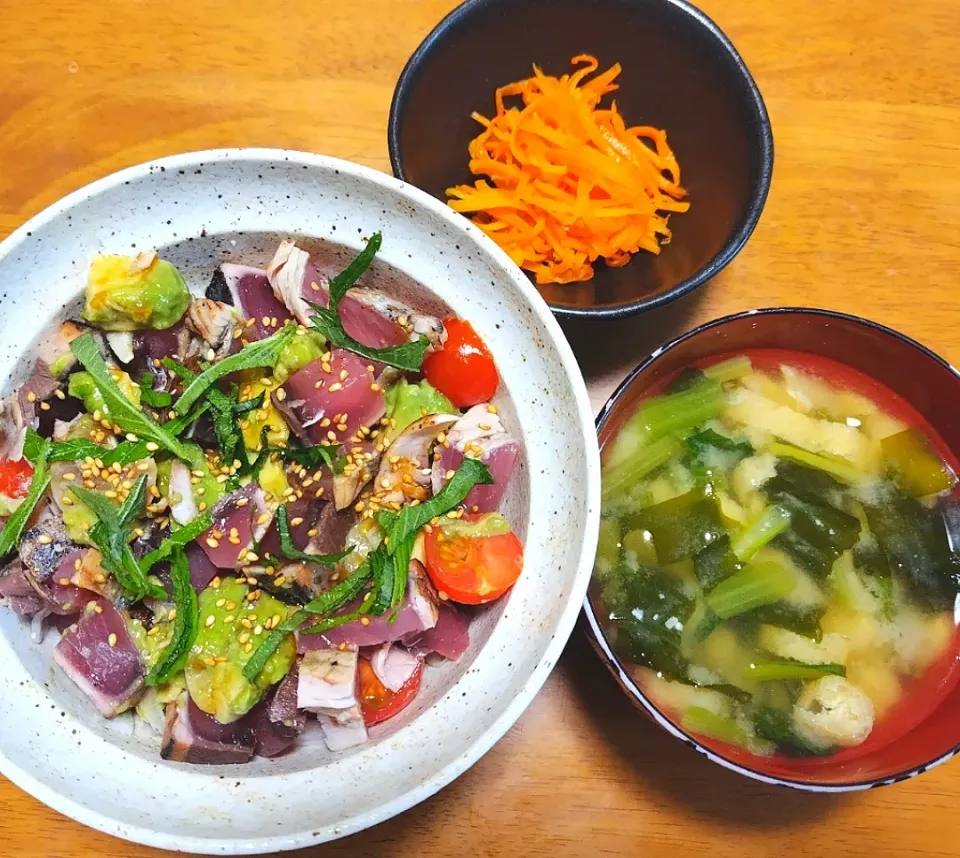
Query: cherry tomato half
{"type": "Point", "coordinates": [463, 370]}
{"type": "Point", "coordinates": [15, 478]}
{"type": "Point", "coordinates": [377, 702]}
{"type": "Point", "coordinates": [473, 569]}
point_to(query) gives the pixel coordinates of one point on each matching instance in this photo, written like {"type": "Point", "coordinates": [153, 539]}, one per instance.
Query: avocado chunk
{"type": "Point", "coordinates": [82, 386]}
{"type": "Point", "coordinates": [266, 417]}
{"type": "Point", "coordinates": [304, 348]}
{"type": "Point", "coordinates": [407, 403]}
{"type": "Point", "coordinates": [126, 293]}
{"type": "Point", "coordinates": [231, 629]}
{"type": "Point", "coordinates": [152, 644]}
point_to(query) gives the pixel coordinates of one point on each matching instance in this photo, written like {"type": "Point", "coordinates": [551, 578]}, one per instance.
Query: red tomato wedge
{"type": "Point", "coordinates": [473, 569]}
{"type": "Point", "coordinates": [463, 370]}
{"type": "Point", "coordinates": [377, 702]}
{"type": "Point", "coordinates": [15, 478]}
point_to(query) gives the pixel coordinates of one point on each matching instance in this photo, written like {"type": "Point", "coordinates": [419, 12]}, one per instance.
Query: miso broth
{"type": "Point", "coordinates": [776, 562]}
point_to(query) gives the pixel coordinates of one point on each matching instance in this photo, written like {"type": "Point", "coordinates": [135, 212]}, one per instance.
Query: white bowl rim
{"type": "Point", "coordinates": [568, 618]}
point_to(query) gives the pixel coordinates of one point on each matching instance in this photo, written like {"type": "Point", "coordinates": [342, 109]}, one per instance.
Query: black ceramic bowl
{"type": "Point", "coordinates": [680, 73]}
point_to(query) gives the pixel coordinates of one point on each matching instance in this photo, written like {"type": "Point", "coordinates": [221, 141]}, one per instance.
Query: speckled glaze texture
{"type": "Point", "coordinates": [203, 208]}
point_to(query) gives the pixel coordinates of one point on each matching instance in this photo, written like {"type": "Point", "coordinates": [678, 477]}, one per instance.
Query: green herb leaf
{"type": "Point", "coordinates": [270, 644]}
{"type": "Point", "coordinates": [178, 539]}
{"type": "Point", "coordinates": [249, 405]}
{"type": "Point", "coordinates": [179, 425]}
{"type": "Point", "coordinates": [401, 566]}
{"type": "Point", "coordinates": [390, 575]}
{"type": "Point", "coordinates": [339, 620]}
{"type": "Point", "coordinates": [341, 283]}
{"type": "Point", "coordinates": [341, 593]}
{"type": "Point", "coordinates": [225, 424]}
{"type": "Point", "coordinates": [185, 624]}
{"type": "Point", "coordinates": [110, 536]}
{"type": "Point", "coordinates": [78, 449]}
{"type": "Point", "coordinates": [122, 411]}
{"type": "Point", "coordinates": [257, 465]}
{"type": "Point", "coordinates": [38, 486]}
{"type": "Point", "coordinates": [261, 354]}
{"type": "Point", "coordinates": [398, 526]}
{"type": "Point", "coordinates": [313, 457]}
{"type": "Point", "coordinates": [229, 436]}
{"type": "Point", "coordinates": [326, 603]}
{"type": "Point", "coordinates": [151, 397]}
{"type": "Point", "coordinates": [384, 574]}
{"type": "Point", "coordinates": [288, 549]}
{"type": "Point", "coordinates": [407, 356]}
{"type": "Point", "coordinates": [133, 506]}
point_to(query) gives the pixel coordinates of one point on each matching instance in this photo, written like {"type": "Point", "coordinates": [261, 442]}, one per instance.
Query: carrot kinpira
{"type": "Point", "coordinates": [569, 182]}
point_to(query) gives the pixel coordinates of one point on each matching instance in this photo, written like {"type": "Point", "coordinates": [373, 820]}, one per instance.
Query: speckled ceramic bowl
{"type": "Point", "coordinates": [198, 210]}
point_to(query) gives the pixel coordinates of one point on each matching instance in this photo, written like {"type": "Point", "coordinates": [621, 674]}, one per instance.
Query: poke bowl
{"type": "Point", "coordinates": [776, 579]}
{"type": "Point", "coordinates": [150, 332]}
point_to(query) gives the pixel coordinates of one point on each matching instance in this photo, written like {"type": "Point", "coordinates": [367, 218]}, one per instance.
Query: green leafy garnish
{"type": "Point", "coordinates": [79, 449]}
{"type": "Point", "coordinates": [264, 453]}
{"type": "Point", "coordinates": [122, 411]}
{"type": "Point", "coordinates": [179, 425]}
{"type": "Point", "coordinates": [390, 575]}
{"type": "Point", "coordinates": [383, 569]}
{"type": "Point", "coordinates": [271, 642]}
{"type": "Point", "coordinates": [249, 405]}
{"type": "Point", "coordinates": [226, 412]}
{"type": "Point", "coordinates": [110, 534]}
{"type": "Point", "coordinates": [398, 526]}
{"type": "Point", "coordinates": [261, 354]}
{"type": "Point", "coordinates": [133, 505]}
{"type": "Point", "coordinates": [326, 603]}
{"type": "Point", "coordinates": [406, 356]}
{"type": "Point", "coordinates": [340, 619]}
{"type": "Point", "coordinates": [401, 565]}
{"type": "Point", "coordinates": [178, 539]}
{"type": "Point", "coordinates": [339, 594]}
{"type": "Point", "coordinates": [38, 486]}
{"type": "Point", "coordinates": [151, 397]}
{"type": "Point", "coordinates": [288, 549]}
{"type": "Point", "coordinates": [185, 623]}
{"type": "Point", "coordinates": [313, 457]}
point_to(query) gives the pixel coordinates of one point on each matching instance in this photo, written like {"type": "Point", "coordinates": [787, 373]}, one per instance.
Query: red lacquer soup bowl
{"type": "Point", "coordinates": [903, 377]}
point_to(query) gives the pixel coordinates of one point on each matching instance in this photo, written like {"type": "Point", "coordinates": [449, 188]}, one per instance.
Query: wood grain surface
{"type": "Point", "coordinates": [863, 216]}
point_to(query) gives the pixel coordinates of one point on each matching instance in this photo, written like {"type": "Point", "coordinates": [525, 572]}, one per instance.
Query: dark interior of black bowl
{"type": "Point", "coordinates": [680, 73]}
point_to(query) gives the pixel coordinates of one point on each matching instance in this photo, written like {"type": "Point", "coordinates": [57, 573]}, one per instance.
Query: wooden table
{"type": "Point", "coordinates": [863, 216]}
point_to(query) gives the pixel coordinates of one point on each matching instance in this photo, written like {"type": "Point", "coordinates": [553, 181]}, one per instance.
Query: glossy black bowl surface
{"type": "Point", "coordinates": [680, 73]}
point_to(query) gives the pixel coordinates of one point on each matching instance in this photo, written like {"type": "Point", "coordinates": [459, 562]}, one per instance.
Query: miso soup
{"type": "Point", "coordinates": [776, 563]}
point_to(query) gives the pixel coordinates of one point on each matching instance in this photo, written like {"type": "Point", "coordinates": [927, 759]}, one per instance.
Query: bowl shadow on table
{"type": "Point", "coordinates": [606, 349]}
{"type": "Point", "coordinates": [664, 765]}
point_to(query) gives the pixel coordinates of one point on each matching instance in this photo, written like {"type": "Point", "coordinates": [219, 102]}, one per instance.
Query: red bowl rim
{"type": "Point", "coordinates": [599, 638]}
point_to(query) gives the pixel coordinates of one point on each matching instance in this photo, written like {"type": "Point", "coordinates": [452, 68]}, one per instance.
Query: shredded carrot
{"type": "Point", "coordinates": [569, 182]}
